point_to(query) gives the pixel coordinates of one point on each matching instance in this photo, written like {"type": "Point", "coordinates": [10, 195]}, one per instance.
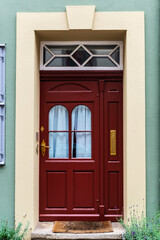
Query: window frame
{"type": "Point", "coordinates": [2, 103]}
{"type": "Point", "coordinates": [80, 43]}
{"type": "Point", "coordinates": [70, 110]}
{"type": "Point", "coordinates": [81, 131]}
{"type": "Point", "coordinates": [57, 131]}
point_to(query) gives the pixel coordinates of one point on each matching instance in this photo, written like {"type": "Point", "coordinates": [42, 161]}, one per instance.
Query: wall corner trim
{"type": "Point", "coordinates": [80, 17]}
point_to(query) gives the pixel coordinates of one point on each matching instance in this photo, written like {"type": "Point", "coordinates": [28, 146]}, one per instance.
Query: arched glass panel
{"type": "Point", "coordinates": [81, 132]}
{"type": "Point", "coordinates": [58, 118]}
{"type": "Point", "coordinates": [58, 132]}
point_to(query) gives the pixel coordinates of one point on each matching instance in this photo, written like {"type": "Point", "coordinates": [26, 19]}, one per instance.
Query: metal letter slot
{"type": "Point", "coordinates": [113, 142]}
{"type": "Point", "coordinates": [43, 147]}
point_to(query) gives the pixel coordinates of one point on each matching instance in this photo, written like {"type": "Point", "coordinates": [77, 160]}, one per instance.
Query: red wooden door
{"type": "Point", "coordinates": [69, 180]}
{"type": "Point", "coordinates": [81, 173]}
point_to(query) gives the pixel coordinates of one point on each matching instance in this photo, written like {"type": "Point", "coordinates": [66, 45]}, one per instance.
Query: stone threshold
{"type": "Point", "coordinates": [43, 230]}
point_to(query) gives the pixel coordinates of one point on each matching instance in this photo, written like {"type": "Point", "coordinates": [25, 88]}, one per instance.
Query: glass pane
{"type": "Point", "coordinates": [58, 143]}
{"type": "Point", "coordinates": [62, 62]}
{"type": "Point", "coordinates": [81, 55]}
{"type": "Point", "coordinates": [61, 50]}
{"type": "Point", "coordinates": [100, 62]}
{"type": "Point", "coordinates": [81, 118]}
{"type": "Point", "coordinates": [46, 55]}
{"type": "Point", "coordinates": [1, 129]}
{"type": "Point", "coordinates": [115, 55]}
{"type": "Point", "coordinates": [100, 50]}
{"type": "Point", "coordinates": [58, 118]}
{"type": "Point", "coordinates": [81, 145]}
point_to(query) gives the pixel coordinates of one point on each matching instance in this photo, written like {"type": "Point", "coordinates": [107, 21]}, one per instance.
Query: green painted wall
{"type": "Point", "coordinates": [8, 9]}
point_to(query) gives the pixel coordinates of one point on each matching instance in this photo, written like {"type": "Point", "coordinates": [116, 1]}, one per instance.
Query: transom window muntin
{"type": "Point", "coordinates": [81, 55]}
{"type": "Point", "coordinates": [62, 137]}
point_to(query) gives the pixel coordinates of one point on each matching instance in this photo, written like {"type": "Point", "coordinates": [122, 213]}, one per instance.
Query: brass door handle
{"type": "Point", "coordinates": [43, 147]}
{"type": "Point", "coordinates": [113, 142]}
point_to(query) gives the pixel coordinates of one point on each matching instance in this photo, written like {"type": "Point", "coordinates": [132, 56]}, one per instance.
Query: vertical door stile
{"type": "Point", "coordinates": [69, 172]}
{"type": "Point", "coordinates": [101, 154]}
{"type": "Point", "coordinates": [70, 137]}
{"type": "Point", "coordinates": [42, 179]}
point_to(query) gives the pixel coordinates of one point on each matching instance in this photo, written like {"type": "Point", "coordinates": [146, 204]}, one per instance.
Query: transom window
{"type": "Point", "coordinates": [81, 55]}
{"type": "Point", "coordinates": [59, 132]}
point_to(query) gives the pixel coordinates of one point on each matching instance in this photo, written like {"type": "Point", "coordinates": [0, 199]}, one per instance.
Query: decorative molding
{"type": "Point", "coordinates": [80, 17]}
{"type": "Point", "coordinates": [105, 75]}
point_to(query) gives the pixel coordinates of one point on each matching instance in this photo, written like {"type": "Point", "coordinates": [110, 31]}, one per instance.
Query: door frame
{"type": "Point", "coordinates": [31, 29]}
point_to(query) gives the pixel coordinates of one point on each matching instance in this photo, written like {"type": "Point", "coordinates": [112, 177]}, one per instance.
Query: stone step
{"type": "Point", "coordinates": [44, 231]}
{"type": "Point", "coordinates": [71, 238]}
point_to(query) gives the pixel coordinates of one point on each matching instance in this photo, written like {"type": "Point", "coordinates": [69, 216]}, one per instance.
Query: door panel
{"type": "Point", "coordinates": [56, 189]}
{"type": "Point", "coordinates": [113, 180]}
{"type": "Point", "coordinates": [83, 190]}
{"type": "Point", "coordinates": [69, 178]}
{"type": "Point", "coordinates": [113, 155]}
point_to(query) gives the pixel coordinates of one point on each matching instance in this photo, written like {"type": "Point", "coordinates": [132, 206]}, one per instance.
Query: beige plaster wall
{"type": "Point", "coordinates": [31, 28]}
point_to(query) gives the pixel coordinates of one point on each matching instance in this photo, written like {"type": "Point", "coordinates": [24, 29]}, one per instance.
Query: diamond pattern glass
{"type": "Point", "coordinates": [81, 55]}
{"type": "Point", "coordinates": [84, 55]}
{"type": "Point", "coordinates": [101, 62]}
{"type": "Point", "coordinates": [46, 56]}
{"type": "Point", "coordinates": [62, 62]}
{"type": "Point", "coordinates": [100, 50]}
{"type": "Point", "coordinates": [61, 50]}
{"type": "Point", "coordinates": [116, 55]}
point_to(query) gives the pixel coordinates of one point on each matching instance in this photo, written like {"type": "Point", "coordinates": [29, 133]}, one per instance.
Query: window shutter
{"type": "Point", "coordinates": [2, 104]}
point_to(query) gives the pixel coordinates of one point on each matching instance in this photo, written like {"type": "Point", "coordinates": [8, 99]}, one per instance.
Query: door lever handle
{"type": "Point", "coordinates": [43, 147]}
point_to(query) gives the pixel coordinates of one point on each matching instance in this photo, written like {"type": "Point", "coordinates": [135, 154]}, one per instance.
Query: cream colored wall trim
{"type": "Point", "coordinates": [80, 17]}
{"type": "Point", "coordinates": [29, 27]}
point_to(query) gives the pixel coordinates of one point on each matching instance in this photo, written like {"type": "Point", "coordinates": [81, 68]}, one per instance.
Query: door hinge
{"type": "Point", "coordinates": [2, 58]}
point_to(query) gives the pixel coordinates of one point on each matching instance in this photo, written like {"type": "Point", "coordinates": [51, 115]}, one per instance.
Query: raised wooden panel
{"type": "Point", "coordinates": [56, 189]}
{"type": "Point", "coordinates": [113, 190]}
{"type": "Point", "coordinates": [83, 183]}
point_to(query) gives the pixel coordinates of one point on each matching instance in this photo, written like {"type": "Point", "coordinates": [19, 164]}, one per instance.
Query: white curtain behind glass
{"type": "Point", "coordinates": [81, 141]}
{"type": "Point", "coordinates": [58, 141]}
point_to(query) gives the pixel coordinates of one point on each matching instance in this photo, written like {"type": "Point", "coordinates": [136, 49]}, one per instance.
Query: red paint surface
{"type": "Point", "coordinates": [56, 182]}
{"type": "Point", "coordinates": [83, 189]}
{"type": "Point", "coordinates": [113, 165]}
